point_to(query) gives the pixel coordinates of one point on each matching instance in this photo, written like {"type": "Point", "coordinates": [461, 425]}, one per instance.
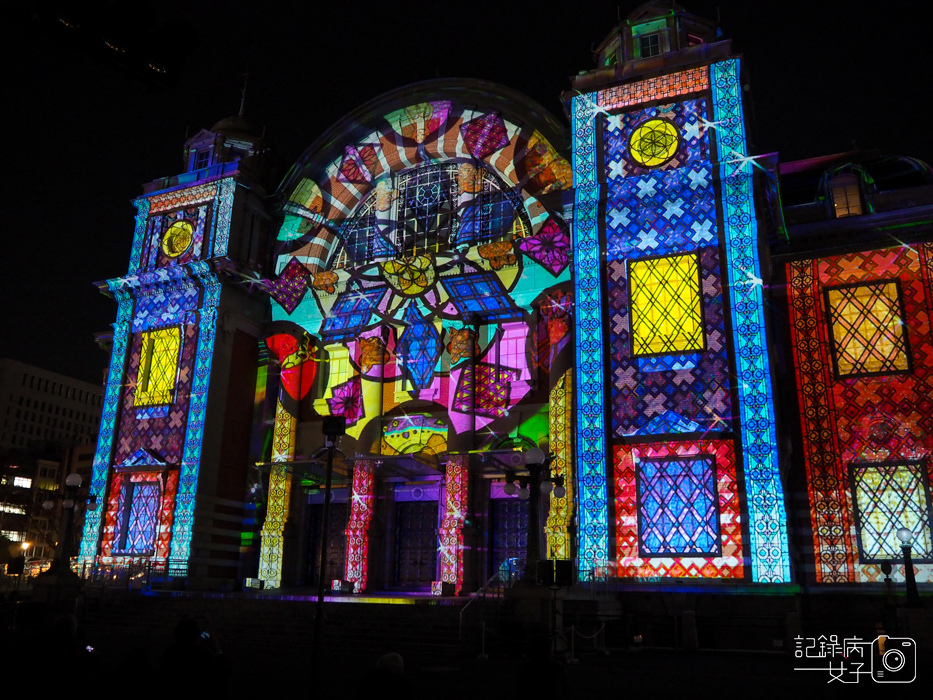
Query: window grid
{"type": "Point", "coordinates": [867, 331]}
{"type": "Point", "coordinates": [158, 367]}
{"type": "Point", "coordinates": [888, 496]}
{"type": "Point", "coordinates": [666, 306]}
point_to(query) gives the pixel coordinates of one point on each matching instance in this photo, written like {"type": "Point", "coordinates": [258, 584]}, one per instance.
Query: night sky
{"type": "Point", "coordinates": [85, 130]}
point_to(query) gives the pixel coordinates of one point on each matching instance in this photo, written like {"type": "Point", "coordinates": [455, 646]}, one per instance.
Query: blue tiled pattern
{"type": "Point", "coordinates": [767, 518]}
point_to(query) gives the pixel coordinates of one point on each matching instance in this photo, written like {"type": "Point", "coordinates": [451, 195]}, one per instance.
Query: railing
{"type": "Point", "coordinates": [506, 575]}
{"type": "Point", "coordinates": [140, 574]}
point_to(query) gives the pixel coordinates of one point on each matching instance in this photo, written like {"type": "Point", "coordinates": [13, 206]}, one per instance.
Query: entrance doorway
{"type": "Point", "coordinates": [336, 542]}
{"type": "Point", "coordinates": [509, 534]}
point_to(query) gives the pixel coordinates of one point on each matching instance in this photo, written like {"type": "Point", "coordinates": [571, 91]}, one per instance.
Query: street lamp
{"type": "Point", "coordinates": [913, 595]}
{"type": "Point", "coordinates": [62, 561]}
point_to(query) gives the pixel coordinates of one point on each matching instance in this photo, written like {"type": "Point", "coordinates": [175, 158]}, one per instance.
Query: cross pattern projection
{"type": "Point", "coordinates": [158, 365]}
{"type": "Point", "coordinates": [666, 306]}
{"type": "Point", "coordinates": [677, 507]}
{"type": "Point", "coordinates": [867, 329]}
{"type": "Point", "coordinates": [138, 522]}
{"type": "Point", "coordinates": [888, 497]}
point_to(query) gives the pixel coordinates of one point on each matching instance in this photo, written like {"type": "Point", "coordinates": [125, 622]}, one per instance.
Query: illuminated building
{"type": "Point", "coordinates": [464, 280]}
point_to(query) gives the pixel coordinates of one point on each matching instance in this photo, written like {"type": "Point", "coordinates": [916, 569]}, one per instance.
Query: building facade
{"type": "Point", "coordinates": [496, 304]}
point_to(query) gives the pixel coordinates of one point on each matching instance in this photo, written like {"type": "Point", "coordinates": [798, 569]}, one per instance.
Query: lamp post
{"type": "Point", "coordinates": [61, 564]}
{"type": "Point", "coordinates": [333, 428]}
{"type": "Point", "coordinates": [913, 595]}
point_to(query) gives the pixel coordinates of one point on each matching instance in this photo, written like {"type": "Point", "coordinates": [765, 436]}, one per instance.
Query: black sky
{"type": "Point", "coordinates": [83, 132]}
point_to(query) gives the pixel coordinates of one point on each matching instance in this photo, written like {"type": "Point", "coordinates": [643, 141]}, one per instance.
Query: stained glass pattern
{"type": "Point", "coordinates": [138, 517]}
{"type": "Point", "coordinates": [593, 550]}
{"type": "Point", "coordinates": [888, 497]}
{"type": "Point", "coordinates": [485, 135]}
{"type": "Point", "coordinates": [654, 142]}
{"type": "Point", "coordinates": [677, 507]}
{"type": "Point", "coordinates": [478, 292]}
{"type": "Point", "coordinates": [634, 496]}
{"type": "Point", "coordinates": [878, 419]}
{"type": "Point", "coordinates": [679, 393]}
{"type": "Point", "coordinates": [419, 345]}
{"type": "Point", "coordinates": [155, 381]}
{"type": "Point", "coordinates": [767, 517]}
{"type": "Point", "coordinates": [291, 286]}
{"type": "Point", "coordinates": [361, 514]}
{"type": "Point", "coordinates": [352, 311]}
{"type": "Point", "coordinates": [867, 329]}
{"type": "Point", "coordinates": [455, 513]}
{"type": "Point", "coordinates": [665, 305]}
{"type": "Point", "coordinates": [659, 88]}
{"type": "Point", "coordinates": [197, 410]}
{"type": "Point", "coordinates": [560, 510]}
{"type": "Point", "coordinates": [279, 493]}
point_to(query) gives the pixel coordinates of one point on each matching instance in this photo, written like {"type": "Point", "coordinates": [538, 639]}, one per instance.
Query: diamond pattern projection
{"type": "Point", "coordinates": [158, 366]}
{"type": "Point", "coordinates": [491, 387]}
{"type": "Point", "coordinates": [484, 135]}
{"type": "Point", "coordinates": [550, 247]}
{"type": "Point", "coordinates": [290, 288]}
{"type": "Point", "coordinates": [888, 497]}
{"type": "Point", "coordinates": [678, 507]}
{"type": "Point", "coordinates": [419, 343]}
{"type": "Point", "coordinates": [481, 293]}
{"type": "Point", "coordinates": [358, 164]}
{"type": "Point", "coordinates": [867, 329]}
{"type": "Point", "coordinates": [138, 525]}
{"type": "Point", "coordinates": [352, 310]}
{"type": "Point", "coordinates": [666, 307]}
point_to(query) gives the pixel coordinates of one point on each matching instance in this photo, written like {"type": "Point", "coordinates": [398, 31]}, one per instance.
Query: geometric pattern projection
{"type": "Point", "coordinates": [662, 493]}
{"type": "Point", "coordinates": [677, 507]}
{"type": "Point", "coordinates": [666, 306]}
{"type": "Point", "coordinates": [868, 329]}
{"type": "Point", "coordinates": [888, 497]}
{"type": "Point", "coordinates": [158, 367]}
{"type": "Point", "coordinates": [137, 524]}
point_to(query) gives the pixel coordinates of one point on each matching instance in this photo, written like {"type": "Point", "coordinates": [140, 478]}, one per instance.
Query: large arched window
{"type": "Point", "coordinates": [430, 209]}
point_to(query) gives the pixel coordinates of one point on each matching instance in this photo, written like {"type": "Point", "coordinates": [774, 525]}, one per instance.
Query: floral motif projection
{"type": "Point", "coordinates": [421, 233]}
{"type": "Point", "coordinates": [867, 423]}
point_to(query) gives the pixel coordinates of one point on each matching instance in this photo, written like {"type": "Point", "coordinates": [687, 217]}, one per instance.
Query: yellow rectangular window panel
{"type": "Point", "coordinates": [867, 329]}
{"type": "Point", "coordinates": [667, 309]}
{"type": "Point", "coordinates": [889, 496]}
{"type": "Point", "coordinates": [158, 367]}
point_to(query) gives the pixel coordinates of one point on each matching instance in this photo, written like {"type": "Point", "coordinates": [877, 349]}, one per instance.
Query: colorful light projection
{"type": "Point", "coordinates": [560, 511]}
{"type": "Point", "coordinates": [661, 211]}
{"type": "Point", "coordinates": [767, 517]}
{"type": "Point", "coordinates": [361, 515]}
{"type": "Point", "coordinates": [678, 512]}
{"type": "Point", "coordinates": [158, 367]}
{"type": "Point", "coordinates": [108, 423]}
{"type": "Point", "coordinates": [593, 545]}
{"type": "Point", "coordinates": [866, 423]}
{"type": "Point", "coordinates": [296, 377]}
{"type": "Point", "coordinates": [455, 512]}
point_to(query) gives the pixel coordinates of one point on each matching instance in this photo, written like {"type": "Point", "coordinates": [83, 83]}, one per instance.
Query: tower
{"type": "Point", "coordinates": [169, 468]}
{"type": "Point", "coordinates": [675, 420]}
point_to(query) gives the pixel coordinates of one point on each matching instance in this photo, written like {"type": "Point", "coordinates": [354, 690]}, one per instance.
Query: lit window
{"type": "Point", "coordinates": [13, 535]}
{"type": "Point", "coordinates": [888, 497]}
{"type": "Point", "coordinates": [22, 482]}
{"type": "Point", "coordinates": [649, 45]}
{"type": "Point", "coordinates": [158, 364]}
{"type": "Point", "coordinates": [666, 307]}
{"type": "Point", "coordinates": [15, 510]}
{"type": "Point", "coordinates": [137, 518]}
{"type": "Point", "coordinates": [867, 329]}
{"type": "Point", "coordinates": [847, 197]}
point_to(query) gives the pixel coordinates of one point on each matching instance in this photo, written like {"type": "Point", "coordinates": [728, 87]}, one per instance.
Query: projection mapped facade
{"type": "Point", "coordinates": [474, 288]}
